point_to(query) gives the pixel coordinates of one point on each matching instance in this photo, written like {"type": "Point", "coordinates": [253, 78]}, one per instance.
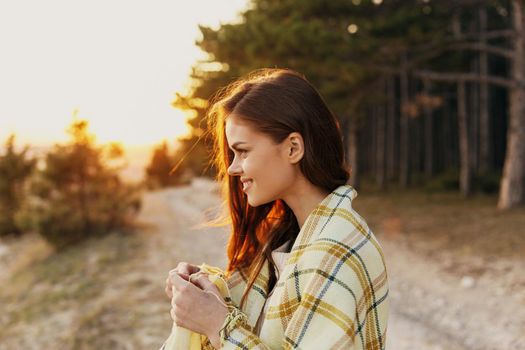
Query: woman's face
{"type": "Point", "coordinates": [265, 168]}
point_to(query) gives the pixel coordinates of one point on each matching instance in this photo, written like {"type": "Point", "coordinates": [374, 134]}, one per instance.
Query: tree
{"type": "Point", "coordinates": [392, 71]}
{"type": "Point", "coordinates": [80, 194]}
{"type": "Point", "coordinates": [159, 171]}
{"type": "Point", "coordinates": [15, 170]}
{"type": "Point", "coordinates": [512, 191]}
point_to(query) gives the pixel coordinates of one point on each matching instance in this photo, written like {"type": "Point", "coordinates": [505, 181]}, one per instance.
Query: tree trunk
{"type": "Point", "coordinates": [473, 111]}
{"type": "Point", "coordinates": [353, 153]}
{"type": "Point", "coordinates": [429, 133]}
{"type": "Point", "coordinates": [465, 173]}
{"type": "Point", "coordinates": [404, 154]}
{"type": "Point", "coordinates": [416, 144]}
{"type": "Point", "coordinates": [447, 135]}
{"type": "Point", "coordinates": [381, 135]}
{"type": "Point", "coordinates": [345, 130]}
{"type": "Point", "coordinates": [512, 182]}
{"type": "Point", "coordinates": [474, 121]}
{"type": "Point", "coordinates": [391, 127]}
{"type": "Point", "coordinates": [485, 154]}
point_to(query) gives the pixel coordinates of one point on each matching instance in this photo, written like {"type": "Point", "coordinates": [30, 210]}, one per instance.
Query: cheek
{"type": "Point", "coordinates": [264, 168]}
{"type": "Point", "coordinates": [271, 177]}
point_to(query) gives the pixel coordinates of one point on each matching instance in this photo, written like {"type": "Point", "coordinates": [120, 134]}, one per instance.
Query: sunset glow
{"type": "Point", "coordinates": [117, 64]}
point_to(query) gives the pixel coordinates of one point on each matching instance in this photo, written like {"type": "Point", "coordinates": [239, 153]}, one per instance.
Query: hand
{"type": "Point", "coordinates": [198, 306]}
{"type": "Point", "coordinates": [184, 270]}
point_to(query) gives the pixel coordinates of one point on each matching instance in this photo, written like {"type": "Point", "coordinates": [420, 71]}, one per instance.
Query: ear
{"type": "Point", "coordinates": [294, 147]}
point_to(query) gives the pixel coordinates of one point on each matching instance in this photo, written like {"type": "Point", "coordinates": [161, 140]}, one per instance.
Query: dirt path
{"type": "Point", "coordinates": [175, 234]}
{"type": "Point", "coordinates": [108, 293]}
{"type": "Point", "coordinates": [434, 309]}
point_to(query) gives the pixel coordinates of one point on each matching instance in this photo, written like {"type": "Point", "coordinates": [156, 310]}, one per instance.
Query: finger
{"type": "Point", "coordinates": [203, 282]}
{"type": "Point", "coordinates": [177, 281]}
{"type": "Point", "coordinates": [183, 274]}
{"type": "Point", "coordinates": [168, 288]}
{"type": "Point", "coordinates": [173, 316]}
{"type": "Point", "coordinates": [187, 268]}
{"type": "Point", "coordinates": [194, 269]}
{"type": "Point", "coordinates": [173, 301]}
{"type": "Point", "coordinates": [182, 267]}
{"type": "Point", "coordinates": [168, 292]}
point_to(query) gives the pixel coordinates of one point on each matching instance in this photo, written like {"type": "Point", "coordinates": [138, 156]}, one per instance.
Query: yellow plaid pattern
{"type": "Point", "coordinates": [333, 292]}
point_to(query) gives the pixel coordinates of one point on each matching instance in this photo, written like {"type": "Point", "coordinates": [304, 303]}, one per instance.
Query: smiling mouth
{"type": "Point", "coordinates": [246, 185]}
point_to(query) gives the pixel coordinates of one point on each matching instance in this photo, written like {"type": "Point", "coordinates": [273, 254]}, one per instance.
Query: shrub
{"type": "Point", "coordinates": [15, 169]}
{"type": "Point", "coordinates": [79, 194]}
{"type": "Point", "coordinates": [446, 181]}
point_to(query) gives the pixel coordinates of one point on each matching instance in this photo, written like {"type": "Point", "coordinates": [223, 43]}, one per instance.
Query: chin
{"type": "Point", "coordinates": [255, 203]}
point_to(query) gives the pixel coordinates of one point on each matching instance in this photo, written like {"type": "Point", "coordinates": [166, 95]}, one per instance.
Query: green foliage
{"type": "Point", "coordinates": [15, 169]}
{"type": "Point", "coordinates": [446, 181]}
{"type": "Point", "coordinates": [78, 194]}
{"type": "Point", "coordinates": [312, 37]}
{"type": "Point", "coordinates": [449, 181]}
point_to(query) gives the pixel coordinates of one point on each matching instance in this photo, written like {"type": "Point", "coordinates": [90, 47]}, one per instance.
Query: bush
{"type": "Point", "coordinates": [159, 172]}
{"type": "Point", "coordinates": [15, 169]}
{"type": "Point", "coordinates": [79, 195]}
{"type": "Point", "coordinates": [446, 181]}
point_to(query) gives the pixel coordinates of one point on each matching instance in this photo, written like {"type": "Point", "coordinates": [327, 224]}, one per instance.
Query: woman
{"type": "Point", "coordinates": [304, 269]}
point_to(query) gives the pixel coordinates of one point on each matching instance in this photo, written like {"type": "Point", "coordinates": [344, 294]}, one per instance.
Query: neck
{"type": "Point", "coordinates": [303, 198]}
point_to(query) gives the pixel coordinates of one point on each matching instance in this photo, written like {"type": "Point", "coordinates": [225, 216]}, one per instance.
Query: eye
{"type": "Point", "coordinates": [243, 152]}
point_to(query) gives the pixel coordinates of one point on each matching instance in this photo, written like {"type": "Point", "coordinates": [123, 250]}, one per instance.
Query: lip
{"type": "Point", "coordinates": [246, 184]}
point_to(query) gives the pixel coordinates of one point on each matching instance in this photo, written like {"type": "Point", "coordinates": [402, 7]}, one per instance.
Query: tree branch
{"type": "Point", "coordinates": [453, 77]}
{"type": "Point", "coordinates": [490, 35]}
{"type": "Point", "coordinates": [483, 48]}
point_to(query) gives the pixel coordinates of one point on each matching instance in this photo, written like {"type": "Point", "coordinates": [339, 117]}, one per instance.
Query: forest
{"type": "Point", "coordinates": [428, 94]}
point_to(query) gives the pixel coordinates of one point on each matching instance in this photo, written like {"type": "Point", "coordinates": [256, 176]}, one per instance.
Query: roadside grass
{"type": "Point", "coordinates": [436, 223]}
{"type": "Point", "coordinates": [65, 281]}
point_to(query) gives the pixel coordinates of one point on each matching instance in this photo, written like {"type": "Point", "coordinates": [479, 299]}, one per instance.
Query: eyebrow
{"type": "Point", "coordinates": [237, 143]}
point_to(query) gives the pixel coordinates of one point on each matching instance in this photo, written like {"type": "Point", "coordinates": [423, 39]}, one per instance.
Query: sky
{"type": "Point", "coordinates": [117, 64]}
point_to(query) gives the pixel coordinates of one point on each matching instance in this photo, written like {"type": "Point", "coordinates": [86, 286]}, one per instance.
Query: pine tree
{"type": "Point", "coordinates": [80, 195]}
{"type": "Point", "coordinates": [15, 169]}
{"type": "Point", "coordinates": [159, 171]}
{"type": "Point", "coordinates": [374, 59]}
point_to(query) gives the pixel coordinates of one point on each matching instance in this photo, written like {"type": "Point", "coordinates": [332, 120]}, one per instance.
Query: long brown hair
{"type": "Point", "coordinates": [275, 102]}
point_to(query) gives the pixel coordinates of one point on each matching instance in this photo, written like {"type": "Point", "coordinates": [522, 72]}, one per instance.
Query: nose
{"type": "Point", "coordinates": [234, 169]}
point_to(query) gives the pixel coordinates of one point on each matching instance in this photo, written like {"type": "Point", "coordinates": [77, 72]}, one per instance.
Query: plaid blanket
{"type": "Point", "coordinates": [332, 294]}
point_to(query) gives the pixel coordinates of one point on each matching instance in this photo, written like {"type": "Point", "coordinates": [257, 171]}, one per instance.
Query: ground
{"type": "Point", "coordinates": [455, 271]}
